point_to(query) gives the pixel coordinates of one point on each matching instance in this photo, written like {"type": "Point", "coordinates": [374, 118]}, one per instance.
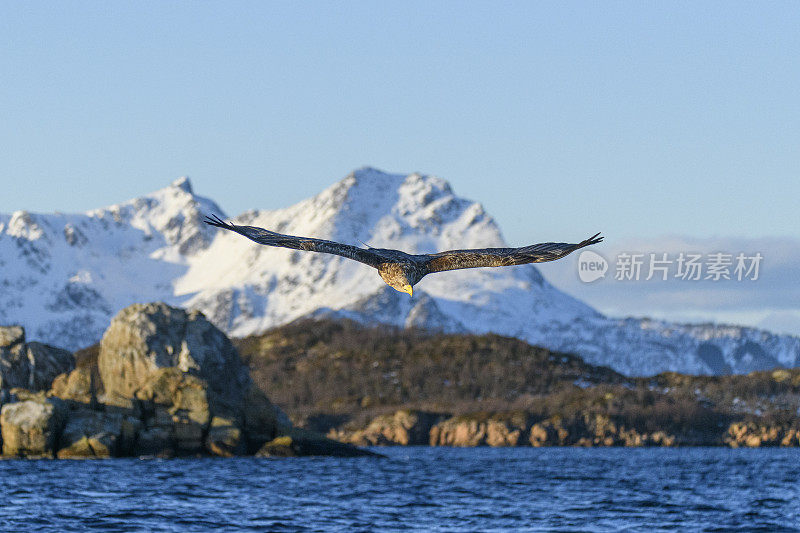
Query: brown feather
{"type": "Point", "coordinates": [398, 268]}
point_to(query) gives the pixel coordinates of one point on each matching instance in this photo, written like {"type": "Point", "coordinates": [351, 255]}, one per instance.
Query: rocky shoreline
{"type": "Point", "coordinates": [163, 382]}
{"type": "Point", "coordinates": [419, 428]}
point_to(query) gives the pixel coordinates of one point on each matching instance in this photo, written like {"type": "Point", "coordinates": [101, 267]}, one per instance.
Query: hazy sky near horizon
{"type": "Point", "coordinates": [635, 119]}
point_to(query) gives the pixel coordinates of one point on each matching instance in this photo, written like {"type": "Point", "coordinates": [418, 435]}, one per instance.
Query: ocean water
{"type": "Point", "coordinates": [414, 489]}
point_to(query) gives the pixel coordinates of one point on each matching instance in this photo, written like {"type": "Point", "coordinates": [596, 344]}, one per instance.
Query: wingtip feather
{"type": "Point", "coordinates": [594, 239]}
{"type": "Point", "coordinates": [214, 220]}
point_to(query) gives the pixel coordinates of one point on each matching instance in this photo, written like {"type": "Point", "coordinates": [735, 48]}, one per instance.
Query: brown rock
{"type": "Point", "coordinates": [478, 430]}
{"type": "Point", "coordinates": [76, 386]}
{"type": "Point", "coordinates": [752, 436]}
{"type": "Point", "coordinates": [660, 438]}
{"type": "Point", "coordinates": [404, 427]}
{"type": "Point", "coordinates": [501, 433]}
{"type": "Point", "coordinates": [790, 438]}
{"type": "Point", "coordinates": [548, 433]}
{"type": "Point", "coordinates": [752, 441]}
{"type": "Point", "coordinates": [30, 428]}
{"type": "Point", "coordinates": [540, 436]}
{"type": "Point", "coordinates": [458, 432]}
{"type": "Point", "coordinates": [182, 372]}
{"type": "Point", "coordinates": [144, 338]}
{"type": "Point", "coordinates": [11, 336]}
{"type": "Point", "coordinates": [279, 447]}
{"type": "Point", "coordinates": [177, 402]}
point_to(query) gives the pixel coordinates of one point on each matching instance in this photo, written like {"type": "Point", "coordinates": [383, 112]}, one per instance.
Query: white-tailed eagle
{"type": "Point", "coordinates": [402, 271]}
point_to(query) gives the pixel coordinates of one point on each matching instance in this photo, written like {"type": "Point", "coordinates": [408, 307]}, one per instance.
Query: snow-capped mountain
{"type": "Point", "coordinates": [64, 276]}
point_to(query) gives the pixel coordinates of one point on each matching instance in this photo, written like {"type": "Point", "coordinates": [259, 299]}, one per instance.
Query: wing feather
{"type": "Point", "coordinates": [270, 238]}
{"type": "Point", "coordinates": [495, 257]}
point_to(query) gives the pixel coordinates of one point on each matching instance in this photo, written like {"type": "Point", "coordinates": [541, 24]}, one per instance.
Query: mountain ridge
{"type": "Point", "coordinates": [64, 276]}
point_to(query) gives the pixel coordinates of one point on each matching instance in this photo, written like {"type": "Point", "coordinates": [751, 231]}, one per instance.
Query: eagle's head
{"type": "Point", "coordinates": [405, 288]}
{"type": "Point", "coordinates": [400, 277]}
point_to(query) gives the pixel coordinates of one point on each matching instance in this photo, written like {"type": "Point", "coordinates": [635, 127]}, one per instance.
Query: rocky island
{"type": "Point", "coordinates": [165, 382]}
{"type": "Point", "coordinates": [162, 382]}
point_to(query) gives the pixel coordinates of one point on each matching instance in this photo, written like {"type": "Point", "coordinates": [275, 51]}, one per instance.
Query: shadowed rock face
{"type": "Point", "coordinates": [14, 364]}
{"type": "Point", "coordinates": [31, 365]}
{"type": "Point", "coordinates": [299, 442]}
{"type": "Point", "coordinates": [97, 435]}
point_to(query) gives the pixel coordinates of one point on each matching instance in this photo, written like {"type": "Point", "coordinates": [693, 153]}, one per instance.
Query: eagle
{"type": "Point", "coordinates": [402, 271]}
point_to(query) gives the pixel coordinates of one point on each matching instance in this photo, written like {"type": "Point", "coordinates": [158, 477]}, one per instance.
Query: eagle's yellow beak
{"type": "Point", "coordinates": [408, 289]}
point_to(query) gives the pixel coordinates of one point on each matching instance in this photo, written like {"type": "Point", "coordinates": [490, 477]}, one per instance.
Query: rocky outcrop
{"type": "Point", "coordinates": [177, 403]}
{"type": "Point", "coordinates": [30, 365]}
{"type": "Point", "coordinates": [144, 338]}
{"type": "Point", "coordinates": [513, 429]}
{"type": "Point", "coordinates": [751, 435]}
{"type": "Point", "coordinates": [480, 430]}
{"type": "Point", "coordinates": [163, 382]}
{"type": "Point", "coordinates": [186, 380]}
{"type": "Point", "coordinates": [300, 442]}
{"type": "Point", "coordinates": [76, 385]}
{"type": "Point", "coordinates": [11, 336]}
{"type": "Point", "coordinates": [405, 427]}
{"type": "Point", "coordinates": [593, 430]}
{"type": "Point", "coordinates": [30, 426]}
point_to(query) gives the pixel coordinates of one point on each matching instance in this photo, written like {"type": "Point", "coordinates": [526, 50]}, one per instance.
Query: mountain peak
{"type": "Point", "coordinates": [414, 212]}
{"type": "Point", "coordinates": [183, 184]}
{"type": "Point", "coordinates": [367, 172]}
{"type": "Point", "coordinates": [371, 175]}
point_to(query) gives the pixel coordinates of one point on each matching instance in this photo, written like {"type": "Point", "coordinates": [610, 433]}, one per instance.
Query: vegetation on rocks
{"type": "Point", "coordinates": [382, 385]}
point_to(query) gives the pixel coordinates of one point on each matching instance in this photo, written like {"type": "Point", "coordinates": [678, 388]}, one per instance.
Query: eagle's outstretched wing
{"type": "Point", "coordinates": [270, 238]}
{"type": "Point", "coordinates": [494, 257]}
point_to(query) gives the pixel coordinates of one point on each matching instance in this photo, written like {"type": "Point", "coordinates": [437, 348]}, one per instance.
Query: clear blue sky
{"type": "Point", "coordinates": [562, 118]}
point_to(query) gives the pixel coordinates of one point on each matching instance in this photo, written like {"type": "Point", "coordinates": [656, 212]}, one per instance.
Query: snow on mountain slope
{"type": "Point", "coordinates": [64, 276]}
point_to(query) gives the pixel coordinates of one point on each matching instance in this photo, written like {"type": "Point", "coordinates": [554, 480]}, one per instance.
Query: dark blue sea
{"type": "Point", "coordinates": [414, 489]}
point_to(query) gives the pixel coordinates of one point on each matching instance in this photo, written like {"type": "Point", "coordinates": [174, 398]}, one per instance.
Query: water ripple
{"type": "Point", "coordinates": [416, 489]}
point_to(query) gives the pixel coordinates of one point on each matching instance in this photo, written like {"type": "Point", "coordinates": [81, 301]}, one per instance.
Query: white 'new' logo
{"type": "Point", "coordinates": [591, 266]}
